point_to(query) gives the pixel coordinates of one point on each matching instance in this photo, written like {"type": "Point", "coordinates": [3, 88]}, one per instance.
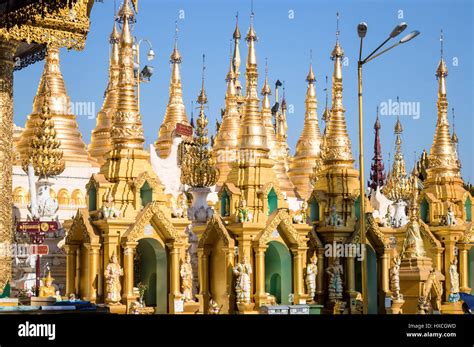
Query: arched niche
{"type": "Point", "coordinates": [278, 272]}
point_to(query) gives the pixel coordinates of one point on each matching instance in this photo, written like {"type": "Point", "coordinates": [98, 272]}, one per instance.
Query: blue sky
{"type": "Point", "coordinates": [287, 30]}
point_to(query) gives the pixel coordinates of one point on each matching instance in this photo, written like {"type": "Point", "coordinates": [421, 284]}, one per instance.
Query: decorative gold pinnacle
{"type": "Point", "coordinates": [397, 187]}
{"type": "Point", "coordinates": [197, 166]}
{"type": "Point", "coordinates": [44, 151]}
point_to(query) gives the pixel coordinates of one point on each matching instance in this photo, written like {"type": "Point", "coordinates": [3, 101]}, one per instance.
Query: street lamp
{"type": "Point", "coordinates": [362, 32]}
{"type": "Point", "coordinates": [145, 74]}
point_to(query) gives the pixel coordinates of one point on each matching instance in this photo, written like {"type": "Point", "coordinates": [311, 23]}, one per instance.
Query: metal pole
{"type": "Point", "coordinates": [38, 260]}
{"type": "Point", "coordinates": [362, 189]}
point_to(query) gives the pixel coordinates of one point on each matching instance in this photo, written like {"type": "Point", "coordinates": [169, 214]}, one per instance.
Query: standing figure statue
{"type": "Point", "coordinates": [450, 217]}
{"type": "Point", "coordinates": [113, 272]}
{"type": "Point", "coordinates": [108, 208]}
{"type": "Point", "coordinates": [395, 279]}
{"type": "Point", "coordinates": [186, 273]}
{"type": "Point", "coordinates": [243, 271]}
{"type": "Point", "coordinates": [454, 276]}
{"type": "Point", "coordinates": [311, 273]}
{"type": "Point", "coordinates": [335, 280]}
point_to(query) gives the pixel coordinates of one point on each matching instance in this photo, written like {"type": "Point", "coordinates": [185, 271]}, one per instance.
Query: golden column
{"type": "Point", "coordinates": [320, 275]}
{"type": "Point", "coordinates": [464, 267]}
{"type": "Point", "coordinates": [298, 274]}
{"type": "Point", "coordinates": [174, 251]}
{"type": "Point", "coordinates": [7, 51]}
{"type": "Point", "coordinates": [128, 252]}
{"type": "Point", "coordinates": [260, 274]}
{"type": "Point", "coordinates": [203, 271]}
{"type": "Point", "coordinates": [350, 275]}
{"type": "Point", "coordinates": [70, 269]}
{"type": "Point", "coordinates": [93, 271]}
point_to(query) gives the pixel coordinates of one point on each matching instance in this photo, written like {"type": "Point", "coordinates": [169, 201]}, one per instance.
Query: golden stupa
{"type": "Point", "coordinates": [175, 110]}
{"type": "Point", "coordinates": [309, 143]}
{"type": "Point", "coordinates": [52, 93]}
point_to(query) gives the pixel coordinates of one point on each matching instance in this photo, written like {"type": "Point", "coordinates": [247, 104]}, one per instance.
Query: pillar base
{"type": "Point", "coordinates": [117, 309]}
{"type": "Point", "coordinates": [452, 308]}
{"type": "Point", "coordinates": [245, 308]}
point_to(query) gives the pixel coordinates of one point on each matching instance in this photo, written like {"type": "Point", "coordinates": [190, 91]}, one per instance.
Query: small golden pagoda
{"type": "Point", "coordinates": [52, 92]}
{"type": "Point", "coordinates": [336, 179]}
{"type": "Point", "coordinates": [100, 138]}
{"type": "Point", "coordinates": [128, 214]}
{"type": "Point", "coordinates": [253, 216]}
{"type": "Point", "coordinates": [445, 205]}
{"type": "Point", "coordinates": [175, 110]}
{"type": "Point", "coordinates": [308, 146]}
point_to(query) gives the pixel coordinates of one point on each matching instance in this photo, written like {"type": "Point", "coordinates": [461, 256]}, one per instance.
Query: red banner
{"type": "Point", "coordinates": [184, 130]}
{"type": "Point", "coordinates": [39, 249]}
{"type": "Point", "coordinates": [36, 226]}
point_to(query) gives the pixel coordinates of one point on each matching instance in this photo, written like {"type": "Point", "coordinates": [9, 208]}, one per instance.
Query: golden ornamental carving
{"type": "Point", "coordinates": [280, 217]}
{"type": "Point", "coordinates": [53, 23]}
{"type": "Point", "coordinates": [153, 211]}
{"type": "Point", "coordinates": [215, 225]}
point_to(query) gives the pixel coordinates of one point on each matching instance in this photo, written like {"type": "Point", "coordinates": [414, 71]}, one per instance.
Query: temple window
{"type": "Point", "coordinates": [225, 204]}
{"type": "Point", "coordinates": [146, 194]}
{"type": "Point", "coordinates": [63, 197]}
{"type": "Point", "coordinates": [314, 211]}
{"type": "Point", "coordinates": [92, 199]}
{"type": "Point", "coordinates": [272, 201]}
{"type": "Point", "coordinates": [357, 207]}
{"type": "Point", "coordinates": [468, 207]}
{"type": "Point", "coordinates": [424, 211]}
{"type": "Point", "coordinates": [77, 198]}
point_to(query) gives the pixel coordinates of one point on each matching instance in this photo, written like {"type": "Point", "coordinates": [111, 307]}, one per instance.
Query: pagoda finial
{"type": "Point", "coordinates": [336, 144]}
{"type": "Point", "coordinates": [127, 130]}
{"type": "Point", "coordinates": [198, 167]}
{"type": "Point", "coordinates": [175, 109]}
{"type": "Point", "coordinates": [377, 174]}
{"type": "Point", "coordinates": [443, 159]}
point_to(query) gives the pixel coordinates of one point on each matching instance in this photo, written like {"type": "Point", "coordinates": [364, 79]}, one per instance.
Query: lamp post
{"type": "Point", "coordinates": [147, 71]}
{"type": "Point", "coordinates": [362, 31]}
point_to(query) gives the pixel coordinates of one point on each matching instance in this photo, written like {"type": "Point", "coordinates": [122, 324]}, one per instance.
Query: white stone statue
{"type": "Point", "coordinates": [44, 206]}
{"type": "Point", "coordinates": [400, 217]}
{"type": "Point", "coordinates": [395, 279]}
{"type": "Point", "coordinates": [300, 215]}
{"type": "Point", "coordinates": [454, 276]}
{"type": "Point", "coordinates": [335, 272]}
{"type": "Point", "coordinates": [179, 206]}
{"type": "Point", "coordinates": [186, 272]}
{"type": "Point", "coordinates": [381, 204]}
{"type": "Point", "coordinates": [311, 273]}
{"type": "Point", "coordinates": [243, 271]}
{"type": "Point", "coordinates": [450, 217]}
{"type": "Point", "coordinates": [113, 272]}
{"type": "Point", "coordinates": [109, 211]}
{"type": "Point", "coordinates": [244, 214]}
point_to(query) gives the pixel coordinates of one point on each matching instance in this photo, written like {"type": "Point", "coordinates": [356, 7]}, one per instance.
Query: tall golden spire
{"type": "Point", "coordinates": [236, 56]}
{"type": "Point", "coordinates": [397, 186]}
{"type": "Point", "coordinates": [253, 137]}
{"type": "Point", "coordinates": [101, 143]}
{"type": "Point", "coordinates": [127, 131]}
{"type": "Point", "coordinates": [267, 115]}
{"type": "Point", "coordinates": [442, 158]}
{"type": "Point", "coordinates": [337, 145]}
{"type": "Point", "coordinates": [52, 93]}
{"type": "Point", "coordinates": [175, 110]}
{"type": "Point", "coordinates": [309, 142]}
{"type": "Point", "coordinates": [227, 138]}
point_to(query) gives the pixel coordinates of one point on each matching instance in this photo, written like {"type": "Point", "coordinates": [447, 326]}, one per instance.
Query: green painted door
{"type": "Point", "coordinates": [424, 211]}
{"type": "Point", "coordinates": [92, 199]}
{"type": "Point", "coordinates": [314, 211]}
{"type": "Point", "coordinates": [468, 207]}
{"type": "Point", "coordinates": [278, 273]}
